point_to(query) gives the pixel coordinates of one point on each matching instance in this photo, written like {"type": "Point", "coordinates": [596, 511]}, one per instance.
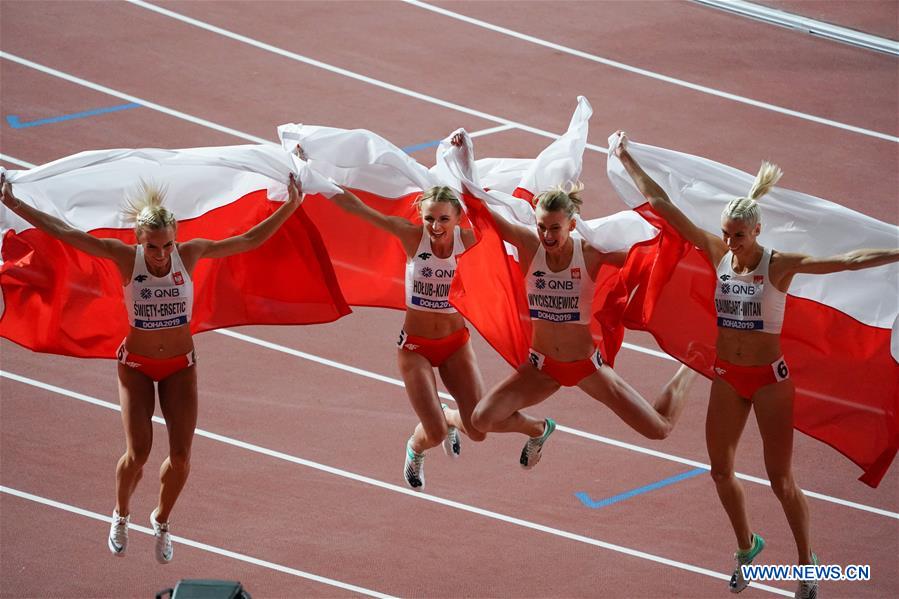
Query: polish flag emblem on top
{"type": "Point", "coordinates": [758, 279]}
{"type": "Point", "coordinates": [576, 273]}
{"type": "Point", "coordinates": [178, 278]}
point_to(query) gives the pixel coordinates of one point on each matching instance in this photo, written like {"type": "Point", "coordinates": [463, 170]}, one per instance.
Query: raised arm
{"type": "Point", "coordinates": [112, 249]}
{"type": "Point", "coordinates": [785, 265]}
{"type": "Point", "coordinates": [193, 250]}
{"type": "Point", "coordinates": [522, 237]}
{"type": "Point", "coordinates": [711, 244]}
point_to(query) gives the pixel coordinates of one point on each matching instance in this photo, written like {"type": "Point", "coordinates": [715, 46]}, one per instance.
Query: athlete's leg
{"type": "Point", "coordinates": [137, 398]}
{"type": "Point", "coordinates": [654, 422]}
{"type": "Point", "coordinates": [178, 400]}
{"type": "Point", "coordinates": [421, 387]}
{"type": "Point", "coordinates": [499, 411]}
{"type": "Point", "coordinates": [462, 378]}
{"type": "Point", "coordinates": [724, 424]}
{"type": "Point", "coordinates": [774, 413]}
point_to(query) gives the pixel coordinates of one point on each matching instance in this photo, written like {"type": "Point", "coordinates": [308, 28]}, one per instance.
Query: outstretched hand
{"type": "Point", "coordinates": [301, 154]}
{"type": "Point", "coordinates": [458, 140]}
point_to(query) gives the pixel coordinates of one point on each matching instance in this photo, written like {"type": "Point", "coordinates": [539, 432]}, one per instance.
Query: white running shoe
{"type": "Point", "coordinates": [164, 549]}
{"type": "Point", "coordinates": [414, 468]}
{"type": "Point", "coordinates": [452, 443]}
{"type": "Point", "coordinates": [744, 558]}
{"type": "Point", "coordinates": [533, 449]}
{"type": "Point", "coordinates": [808, 589]}
{"type": "Point", "coordinates": [118, 534]}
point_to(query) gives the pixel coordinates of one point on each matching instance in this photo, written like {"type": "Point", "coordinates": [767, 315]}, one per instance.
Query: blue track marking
{"type": "Point", "coordinates": [424, 146]}
{"type": "Point", "coordinates": [15, 123]}
{"type": "Point", "coordinates": [590, 503]}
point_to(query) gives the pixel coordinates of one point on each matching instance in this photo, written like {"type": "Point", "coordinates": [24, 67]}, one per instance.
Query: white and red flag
{"type": "Point", "coordinates": [840, 333]}
{"type": "Point", "coordinates": [58, 299]}
{"type": "Point", "coordinates": [489, 286]}
{"type": "Point", "coordinates": [369, 262]}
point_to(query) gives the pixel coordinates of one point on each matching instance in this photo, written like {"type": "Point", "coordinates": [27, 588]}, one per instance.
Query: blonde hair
{"type": "Point", "coordinates": [562, 197]}
{"type": "Point", "coordinates": [144, 207]}
{"type": "Point", "coordinates": [747, 209]}
{"type": "Point", "coordinates": [440, 193]}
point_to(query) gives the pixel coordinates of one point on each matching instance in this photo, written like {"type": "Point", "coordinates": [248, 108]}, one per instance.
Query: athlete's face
{"type": "Point", "coordinates": [440, 219]}
{"type": "Point", "coordinates": [553, 228]}
{"type": "Point", "coordinates": [739, 236]}
{"type": "Point", "coordinates": [158, 247]}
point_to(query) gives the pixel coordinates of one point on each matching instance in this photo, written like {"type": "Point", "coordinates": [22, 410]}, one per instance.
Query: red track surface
{"type": "Point", "coordinates": [327, 524]}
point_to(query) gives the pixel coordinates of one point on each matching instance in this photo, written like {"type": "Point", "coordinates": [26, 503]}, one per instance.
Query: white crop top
{"type": "Point", "coordinates": [748, 302]}
{"type": "Point", "coordinates": [564, 296]}
{"type": "Point", "coordinates": [428, 278]}
{"type": "Point", "coordinates": [159, 302]}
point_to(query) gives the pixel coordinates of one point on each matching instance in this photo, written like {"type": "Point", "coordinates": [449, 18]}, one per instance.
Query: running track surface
{"type": "Point", "coordinates": [296, 473]}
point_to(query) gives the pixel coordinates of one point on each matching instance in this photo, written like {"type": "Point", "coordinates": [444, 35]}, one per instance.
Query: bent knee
{"type": "Point", "coordinates": [179, 459]}
{"type": "Point", "coordinates": [138, 455]}
{"type": "Point", "coordinates": [661, 432]}
{"type": "Point", "coordinates": [721, 475]}
{"type": "Point", "coordinates": [435, 433]}
{"type": "Point", "coordinates": [474, 434]}
{"type": "Point", "coordinates": [481, 422]}
{"type": "Point", "coordinates": [784, 487]}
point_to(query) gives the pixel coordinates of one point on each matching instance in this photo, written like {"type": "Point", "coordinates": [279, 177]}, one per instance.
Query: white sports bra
{"type": "Point", "coordinates": [428, 278]}
{"type": "Point", "coordinates": [564, 296]}
{"type": "Point", "coordinates": [748, 302]}
{"type": "Point", "coordinates": [159, 302]}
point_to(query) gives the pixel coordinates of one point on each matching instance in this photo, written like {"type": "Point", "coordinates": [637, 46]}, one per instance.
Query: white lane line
{"type": "Point", "coordinates": [16, 161]}
{"type": "Point", "coordinates": [651, 74]}
{"type": "Point", "coordinates": [197, 545]}
{"type": "Point", "coordinates": [146, 103]}
{"type": "Point", "coordinates": [347, 73]}
{"type": "Point", "coordinates": [569, 430]}
{"type": "Point", "coordinates": [408, 492]}
{"type": "Point", "coordinates": [496, 129]}
{"type": "Point", "coordinates": [802, 24]}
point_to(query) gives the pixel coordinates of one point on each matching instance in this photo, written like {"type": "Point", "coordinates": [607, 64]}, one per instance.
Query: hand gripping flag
{"type": "Point", "coordinates": [57, 299]}
{"type": "Point", "coordinates": [489, 286]}
{"type": "Point", "coordinates": [840, 330]}
{"type": "Point", "coordinates": [369, 262]}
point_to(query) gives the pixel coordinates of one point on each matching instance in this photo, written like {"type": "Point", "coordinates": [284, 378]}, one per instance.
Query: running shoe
{"type": "Point", "coordinates": [808, 589]}
{"type": "Point", "coordinates": [530, 453]}
{"type": "Point", "coordinates": [744, 558]}
{"type": "Point", "coordinates": [118, 534]}
{"type": "Point", "coordinates": [164, 549]}
{"type": "Point", "coordinates": [452, 443]}
{"type": "Point", "coordinates": [414, 468]}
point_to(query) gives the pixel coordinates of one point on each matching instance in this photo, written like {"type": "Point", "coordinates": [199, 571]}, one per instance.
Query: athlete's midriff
{"type": "Point", "coordinates": [748, 348]}
{"type": "Point", "coordinates": [165, 343]}
{"type": "Point", "coordinates": [565, 342]}
{"type": "Point", "coordinates": [432, 325]}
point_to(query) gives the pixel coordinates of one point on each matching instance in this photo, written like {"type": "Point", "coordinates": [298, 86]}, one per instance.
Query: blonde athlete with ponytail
{"type": "Point", "coordinates": [434, 334]}
{"type": "Point", "coordinates": [156, 275]}
{"type": "Point", "coordinates": [559, 272]}
{"type": "Point", "coordinates": [750, 296]}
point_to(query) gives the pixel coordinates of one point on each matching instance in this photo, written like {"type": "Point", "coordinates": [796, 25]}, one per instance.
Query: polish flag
{"type": "Point", "coordinates": [57, 299]}
{"type": "Point", "coordinates": [488, 288]}
{"type": "Point", "coordinates": [499, 309]}
{"type": "Point", "coordinates": [840, 333]}
{"type": "Point", "coordinates": [369, 262]}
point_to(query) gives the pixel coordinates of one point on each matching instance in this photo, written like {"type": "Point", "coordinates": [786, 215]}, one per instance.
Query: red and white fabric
{"type": "Point", "coordinates": [840, 333]}
{"type": "Point", "coordinates": [58, 299]}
